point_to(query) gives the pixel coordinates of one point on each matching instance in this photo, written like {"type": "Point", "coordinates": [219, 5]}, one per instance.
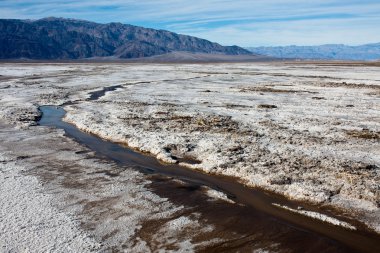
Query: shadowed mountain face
{"type": "Point", "coordinates": [56, 38]}
{"type": "Point", "coordinates": [332, 51]}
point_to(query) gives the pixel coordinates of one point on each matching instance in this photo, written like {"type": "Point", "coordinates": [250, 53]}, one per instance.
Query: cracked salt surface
{"type": "Point", "coordinates": [28, 220]}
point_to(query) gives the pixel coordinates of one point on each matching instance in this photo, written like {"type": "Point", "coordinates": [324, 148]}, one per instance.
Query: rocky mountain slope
{"type": "Point", "coordinates": [332, 51]}
{"type": "Point", "coordinates": [58, 38]}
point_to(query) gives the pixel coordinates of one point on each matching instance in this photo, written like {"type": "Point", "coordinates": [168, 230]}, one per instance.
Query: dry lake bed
{"type": "Point", "coordinates": [241, 157]}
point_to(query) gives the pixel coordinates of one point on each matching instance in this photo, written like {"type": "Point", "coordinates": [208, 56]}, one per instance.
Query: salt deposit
{"type": "Point", "coordinates": [309, 132]}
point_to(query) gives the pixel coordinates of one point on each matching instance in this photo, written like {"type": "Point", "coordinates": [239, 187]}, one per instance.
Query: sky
{"type": "Point", "coordinates": [238, 22]}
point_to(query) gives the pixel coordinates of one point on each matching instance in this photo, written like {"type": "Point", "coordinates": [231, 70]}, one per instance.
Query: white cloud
{"type": "Point", "coordinates": [302, 32]}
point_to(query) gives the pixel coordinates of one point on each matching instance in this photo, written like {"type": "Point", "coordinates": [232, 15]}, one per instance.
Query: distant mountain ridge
{"type": "Point", "coordinates": [59, 38]}
{"type": "Point", "coordinates": [329, 52]}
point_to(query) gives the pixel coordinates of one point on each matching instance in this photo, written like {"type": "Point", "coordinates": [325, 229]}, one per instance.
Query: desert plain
{"type": "Point", "coordinates": [309, 132]}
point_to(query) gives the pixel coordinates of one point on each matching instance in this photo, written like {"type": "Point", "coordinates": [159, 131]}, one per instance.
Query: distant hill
{"type": "Point", "coordinates": [186, 57]}
{"type": "Point", "coordinates": [333, 51]}
{"type": "Point", "coordinates": [58, 38]}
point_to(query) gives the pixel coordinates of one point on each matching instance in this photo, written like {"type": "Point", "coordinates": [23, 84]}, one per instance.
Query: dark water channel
{"type": "Point", "coordinates": [253, 221]}
{"type": "Point", "coordinates": [100, 93]}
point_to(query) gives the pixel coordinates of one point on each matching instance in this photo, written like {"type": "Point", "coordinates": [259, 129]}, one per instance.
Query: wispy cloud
{"type": "Point", "coordinates": [242, 22]}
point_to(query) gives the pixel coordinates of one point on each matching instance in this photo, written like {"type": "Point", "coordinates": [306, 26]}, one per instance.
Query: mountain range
{"type": "Point", "coordinates": [70, 39]}
{"type": "Point", "coordinates": [59, 38]}
{"type": "Point", "coordinates": [324, 52]}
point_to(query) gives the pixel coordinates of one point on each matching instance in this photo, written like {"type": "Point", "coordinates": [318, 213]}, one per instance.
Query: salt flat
{"type": "Point", "coordinates": [309, 132]}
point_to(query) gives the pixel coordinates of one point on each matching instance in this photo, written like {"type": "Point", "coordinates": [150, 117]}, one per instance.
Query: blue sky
{"type": "Point", "coordinates": [240, 22]}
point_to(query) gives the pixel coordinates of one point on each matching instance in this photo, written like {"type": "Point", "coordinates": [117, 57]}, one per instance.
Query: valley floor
{"type": "Point", "coordinates": [310, 132]}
